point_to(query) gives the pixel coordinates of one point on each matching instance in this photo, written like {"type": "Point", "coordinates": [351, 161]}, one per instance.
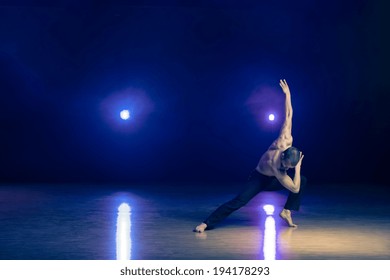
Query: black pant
{"type": "Point", "coordinates": [256, 183]}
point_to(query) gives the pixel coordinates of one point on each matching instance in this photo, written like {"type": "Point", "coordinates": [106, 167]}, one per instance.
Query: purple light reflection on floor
{"type": "Point", "coordinates": [269, 239]}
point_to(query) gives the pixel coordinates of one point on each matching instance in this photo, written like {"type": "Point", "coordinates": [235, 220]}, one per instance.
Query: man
{"type": "Point", "coordinates": [270, 174]}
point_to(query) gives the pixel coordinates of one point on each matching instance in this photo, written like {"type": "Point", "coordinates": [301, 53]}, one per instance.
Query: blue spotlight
{"type": "Point", "coordinates": [271, 117]}
{"type": "Point", "coordinates": [126, 110]}
{"type": "Point", "coordinates": [125, 114]}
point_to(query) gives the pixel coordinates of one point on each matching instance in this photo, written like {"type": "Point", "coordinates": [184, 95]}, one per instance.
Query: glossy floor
{"type": "Point", "coordinates": [154, 222]}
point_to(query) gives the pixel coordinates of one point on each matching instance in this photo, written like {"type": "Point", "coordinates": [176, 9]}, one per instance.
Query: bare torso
{"type": "Point", "coordinates": [269, 163]}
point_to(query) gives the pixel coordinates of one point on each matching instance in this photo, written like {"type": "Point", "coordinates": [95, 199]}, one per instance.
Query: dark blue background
{"type": "Point", "coordinates": [198, 63]}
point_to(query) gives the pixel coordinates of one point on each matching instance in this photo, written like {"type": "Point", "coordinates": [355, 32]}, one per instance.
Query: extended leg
{"type": "Point", "coordinates": [253, 188]}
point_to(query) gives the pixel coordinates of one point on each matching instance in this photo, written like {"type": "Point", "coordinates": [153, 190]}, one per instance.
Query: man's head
{"type": "Point", "coordinates": [290, 158]}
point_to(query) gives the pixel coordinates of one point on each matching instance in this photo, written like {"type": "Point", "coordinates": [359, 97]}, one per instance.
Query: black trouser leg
{"type": "Point", "coordinates": [254, 186]}
{"type": "Point", "coordinates": [294, 199]}
{"type": "Point", "coordinates": [256, 183]}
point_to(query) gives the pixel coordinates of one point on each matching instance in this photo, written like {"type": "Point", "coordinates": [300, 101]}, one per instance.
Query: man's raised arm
{"type": "Point", "coordinates": [285, 139]}
{"type": "Point", "coordinates": [285, 131]}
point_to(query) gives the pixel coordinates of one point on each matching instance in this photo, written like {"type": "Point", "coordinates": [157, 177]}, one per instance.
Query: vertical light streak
{"type": "Point", "coordinates": [123, 232]}
{"type": "Point", "coordinates": [269, 241]}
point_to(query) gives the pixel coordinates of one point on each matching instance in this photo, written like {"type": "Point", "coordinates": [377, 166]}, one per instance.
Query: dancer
{"type": "Point", "coordinates": [270, 174]}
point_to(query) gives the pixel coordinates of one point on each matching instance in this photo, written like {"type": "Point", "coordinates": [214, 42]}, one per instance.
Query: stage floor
{"type": "Point", "coordinates": [155, 222]}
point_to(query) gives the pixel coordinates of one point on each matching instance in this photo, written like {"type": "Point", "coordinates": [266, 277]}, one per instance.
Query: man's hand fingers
{"type": "Point", "coordinates": [283, 84]}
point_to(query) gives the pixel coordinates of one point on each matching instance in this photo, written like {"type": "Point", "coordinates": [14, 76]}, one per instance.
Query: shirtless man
{"type": "Point", "coordinates": [270, 174]}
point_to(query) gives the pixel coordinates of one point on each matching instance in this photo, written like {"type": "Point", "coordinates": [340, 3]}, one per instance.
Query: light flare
{"type": "Point", "coordinates": [123, 232]}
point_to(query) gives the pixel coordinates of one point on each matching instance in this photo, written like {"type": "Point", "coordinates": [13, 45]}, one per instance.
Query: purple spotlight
{"type": "Point", "coordinates": [265, 103]}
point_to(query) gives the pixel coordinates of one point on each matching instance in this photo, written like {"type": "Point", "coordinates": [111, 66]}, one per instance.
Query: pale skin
{"type": "Point", "coordinates": [272, 162]}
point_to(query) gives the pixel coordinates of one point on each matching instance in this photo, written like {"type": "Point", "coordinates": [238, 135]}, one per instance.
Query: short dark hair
{"type": "Point", "coordinates": [293, 155]}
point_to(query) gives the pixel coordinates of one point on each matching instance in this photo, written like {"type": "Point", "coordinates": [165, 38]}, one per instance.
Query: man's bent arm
{"type": "Point", "coordinates": [290, 184]}
{"type": "Point", "coordinates": [297, 180]}
{"type": "Point", "coordinates": [295, 184]}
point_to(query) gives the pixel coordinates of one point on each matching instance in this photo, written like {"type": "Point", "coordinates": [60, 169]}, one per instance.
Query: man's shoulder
{"type": "Point", "coordinates": [283, 141]}
{"type": "Point", "coordinates": [279, 145]}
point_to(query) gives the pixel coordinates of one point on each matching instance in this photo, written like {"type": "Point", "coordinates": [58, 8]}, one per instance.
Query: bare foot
{"type": "Point", "coordinates": [200, 228]}
{"type": "Point", "coordinates": [286, 215]}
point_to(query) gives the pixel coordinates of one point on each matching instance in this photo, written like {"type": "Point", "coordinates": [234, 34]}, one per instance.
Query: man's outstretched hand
{"type": "Point", "coordinates": [283, 84]}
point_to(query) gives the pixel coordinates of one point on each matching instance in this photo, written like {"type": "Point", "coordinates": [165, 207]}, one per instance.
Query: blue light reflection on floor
{"type": "Point", "coordinates": [123, 232]}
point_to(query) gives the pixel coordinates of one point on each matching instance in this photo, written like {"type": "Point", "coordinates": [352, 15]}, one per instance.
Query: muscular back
{"type": "Point", "coordinates": [269, 163]}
